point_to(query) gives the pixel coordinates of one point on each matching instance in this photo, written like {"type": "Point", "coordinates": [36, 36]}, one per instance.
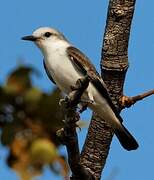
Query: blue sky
{"type": "Point", "coordinates": [83, 24]}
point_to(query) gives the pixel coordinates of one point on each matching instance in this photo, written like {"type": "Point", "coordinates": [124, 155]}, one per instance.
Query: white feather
{"type": "Point", "coordinates": [65, 75]}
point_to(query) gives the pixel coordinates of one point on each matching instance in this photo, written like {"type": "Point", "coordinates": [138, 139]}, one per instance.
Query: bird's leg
{"type": "Point", "coordinates": [63, 101]}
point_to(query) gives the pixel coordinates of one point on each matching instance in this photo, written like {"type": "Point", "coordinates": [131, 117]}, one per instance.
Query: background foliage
{"type": "Point", "coordinates": [29, 119]}
{"type": "Point", "coordinates": [85, 30]}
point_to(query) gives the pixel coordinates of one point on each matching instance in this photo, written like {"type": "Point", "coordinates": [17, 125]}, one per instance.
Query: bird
{"type": "Point", "coordinates": [65, 64]}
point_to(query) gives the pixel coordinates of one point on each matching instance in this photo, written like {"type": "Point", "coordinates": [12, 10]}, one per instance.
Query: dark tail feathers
{"type": "Point", "coordinates": [126, 139]}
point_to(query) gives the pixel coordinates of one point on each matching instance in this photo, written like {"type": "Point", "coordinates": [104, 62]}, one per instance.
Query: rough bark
{"type": "Point", "coordinates": [114, 64]}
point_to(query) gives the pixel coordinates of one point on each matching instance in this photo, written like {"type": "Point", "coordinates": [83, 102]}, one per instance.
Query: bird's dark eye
{"type": "Point", "coordinates": [47, 34]}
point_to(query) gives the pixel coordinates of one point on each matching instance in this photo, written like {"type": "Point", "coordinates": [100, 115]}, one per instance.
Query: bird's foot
{"type": "Point", "coordinates": [62, 101]}
{"type": "Point", "coordinates": [65, 102]}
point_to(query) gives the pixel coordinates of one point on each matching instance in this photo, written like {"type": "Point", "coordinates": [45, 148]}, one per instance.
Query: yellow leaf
{"type": "Point", "coordinates": [43, 151]}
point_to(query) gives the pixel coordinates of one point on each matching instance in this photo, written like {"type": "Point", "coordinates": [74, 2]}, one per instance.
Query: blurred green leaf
{"type": "Point", "coordinates": [33, 95]}
{"type": "Point", "coordinates": [29, 119]}
{"type": "Point", "coordinates": [19, 80]}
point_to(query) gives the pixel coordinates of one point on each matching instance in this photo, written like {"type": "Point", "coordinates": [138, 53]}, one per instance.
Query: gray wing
{"type": "Point", "coordinates": [84, 66]}
{"type": "Point", "coordinates": [48, 73]}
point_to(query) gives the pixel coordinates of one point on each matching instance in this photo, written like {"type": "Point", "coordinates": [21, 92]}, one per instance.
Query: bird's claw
{"type": "Point", "coordinates": [64, 102]}
{"type": "Point", "coordinates": [61, 102]}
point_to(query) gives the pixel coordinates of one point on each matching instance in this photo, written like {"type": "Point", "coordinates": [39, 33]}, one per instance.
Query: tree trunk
{"type": "Point", "coordinates": [114, 65]}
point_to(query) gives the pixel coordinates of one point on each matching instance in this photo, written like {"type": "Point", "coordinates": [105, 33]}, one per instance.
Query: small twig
{"type": "Point", "coordinates": [68, 134]}
{"type": "Point", "coordinates": [126, 101]}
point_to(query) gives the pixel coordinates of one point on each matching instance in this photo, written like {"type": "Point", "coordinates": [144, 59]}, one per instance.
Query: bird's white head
{"type": "Point", "coordinates": [46, 37]}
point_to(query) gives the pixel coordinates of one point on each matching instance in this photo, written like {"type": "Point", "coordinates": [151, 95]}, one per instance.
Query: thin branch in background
{"type": "Point", "coordinates": [68, 134]}
{"type": "Point", "coordinates": [127, 102]}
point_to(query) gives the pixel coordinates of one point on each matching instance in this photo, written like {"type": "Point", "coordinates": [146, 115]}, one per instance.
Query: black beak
{"type": "Point", "coordinates": [29, 38]}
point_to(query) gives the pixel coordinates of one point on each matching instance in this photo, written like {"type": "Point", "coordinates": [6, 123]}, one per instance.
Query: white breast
{"type": "Point", "coordinates": [60, 66]}
{"type": "Point", "coordinates": [65, 76]}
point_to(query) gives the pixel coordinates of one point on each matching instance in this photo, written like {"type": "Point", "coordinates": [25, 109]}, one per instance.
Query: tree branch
{"type": "Point", "coordinates": [126, 101]}
{"type": "Point", "coordinates": [68, 134]}
{"type": "Point", "coordinates": [114, 66]}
